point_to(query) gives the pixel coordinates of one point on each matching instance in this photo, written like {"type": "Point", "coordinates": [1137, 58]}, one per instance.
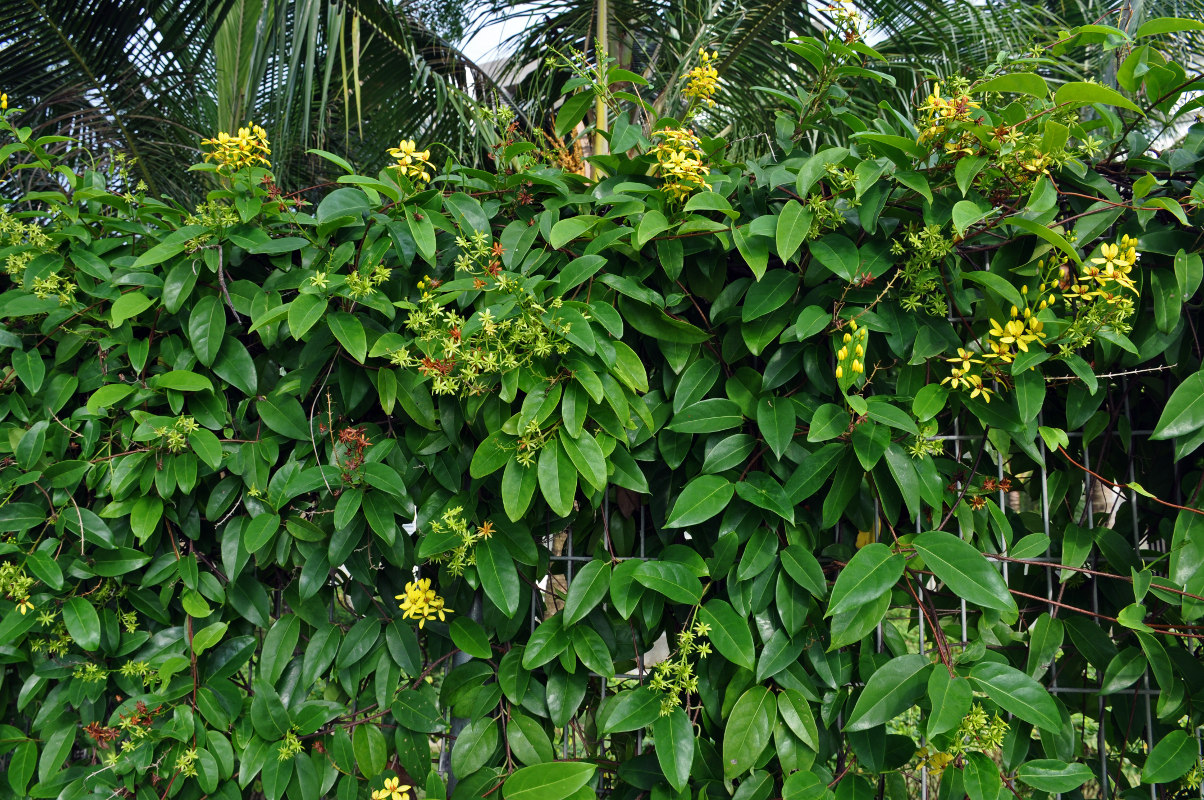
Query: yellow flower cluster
{"type": "Point", "coordinates": [463, 554]}
{"type": "Point", "coordinates": [4, 101]}
{"type": "Point", "coordinates": [361, 285]}
{"type": "Point", "coordinates": [420, 602]}
{"type": "Point", "coordinates": [675, 676]}
{"type": "Point", "coordinates": [1097, 297]}
{"type": "Point", "coordinates": [976, 734]}
{"type": "Point", "coordinates": [248, 148]}
{"type": "Point", "coordinates": [679, 162]}
{"type": "Point", "coordinates": [1113, 266]}
{"type": "Point", "coordinates": [940, 111]}
{"type": "Point", "coordinates": [394, 789]}
{"type": "Point", "coordinates": [55, 285]}
{"type": "Point", "coordinates": [175, 438]}
{"type": "Point", "coordinates": [415, 164]}
{"type": "Point", "coordinates": [850, 358]}
{"type": "Point", "coordinates": [459, 355]}
{"type": "Point", "coordinates": [703, 80]}
{"type": "Point", "coordinates": [15, 584]}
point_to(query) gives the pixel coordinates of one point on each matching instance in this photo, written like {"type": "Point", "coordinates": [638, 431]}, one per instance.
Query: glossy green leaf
{"type": "Point", "coordinates": [748, 730]}
{"type": "Point", "coordinates": [868, 575]}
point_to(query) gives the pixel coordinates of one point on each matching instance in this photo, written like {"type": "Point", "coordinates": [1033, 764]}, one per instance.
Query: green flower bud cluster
{"type": "Point", "coordinates": [675, 676]}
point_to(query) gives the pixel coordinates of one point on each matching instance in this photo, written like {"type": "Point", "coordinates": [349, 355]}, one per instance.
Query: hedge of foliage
{"type": "Point", "coordinates": [281, 481]}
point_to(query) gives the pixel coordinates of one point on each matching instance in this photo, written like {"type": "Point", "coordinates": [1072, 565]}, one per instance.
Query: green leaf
{"type": "Point", "coordinates": [1160, 25]}
{"type": "Point", "coordinates": [1171, 758]}
{"type": "Point", "coordinates": [966, 213]}
{"type": "Point", "coordinates": [1125, 668]}
{"type": "Point", "coordinates": [553, 781]}
{"type": "Point", "coordinates": [769, 294]}
{"type": "Point", "coordinates": [652, 223]}
{"type": "Point", "coordinates": [804, 569]}
{"type": "Point", "coordinates": [1041, 231]}
{"type": "Point", "coordinates": [108, 395]}
{"type": "Point", "coordinates": [1018, 693]}
{"type": "Point", "coordinates": [1017, 83]}
{"type": "Point", "coordinates": [729, 633]}
{"type": "Point", "coordinates": [838, 255]}
{"type": "Point", "coordinates": [55, 751]}
{"type": "Point", "coordinates": [470, 637]}
{"type": "Point", "coordinates": [748, 730]}
{"type": "Point", "coordinates": [1081, 93]}
{"type": "Point", "coordinates": [527, 740]}
{"type": "Point", "coordinates": [707, 416]}
{"type": "Point", "coordinates": [794, 222]}
{"type": "Point", "coordinates": [702, 498]}
{"type": "Point", "coordinates": [206, 445]}
{"type": "Point", "coordinates": [965, 571]}
{"type": "Point", "coordinates": [890, 691]}
{"type": "Point", "coordinates": [796, 713]}
{"type": "Point", "coordinates": [83, 623]}
{"type": "Point", "coordinates": [671, 579]}
{"type": "Point", "coordinates": [268, 714]}
{"type": "Point", "coordinates": [629, 710]}
{"type": "Point", "coordinates": [304, 312]}
{"type": "Point", "coordinates": [349, 332]}
{"type": "Point", "coordinates": [557, 477]}
{"type": "Point", "coordinates": [206, 328]}
{"type": "Point", "coordinates": [586, 590]}
{"type": "Point", "coordinates": [587, 457]}
{"type": "Point", "coordinates": [950, 698]}
{"type": "Point", "coordinates": [967, 169]}
{"type": "Point", "coordinates": [997, 284]}
{"type": "Point", "coordinates": [284, 415]}
{"type": "Point", "coordinates": [868, 575]}
{"type": "Point", "coordinates": [491, 454]}
{"type": "Point", "coordinates": [518, 488]}
{"type": "Point", "coordinates": [710, 201]}
{"type": "Point", "coordinates": [566, 230]}
{"type": "Point", "coordinates": [675, 747]}
{"type": "Point", "coordinates": [546, 642]}
{"type": "Point", "coordinates": [474, 746]}
{"type": "Point", "coordinates": [1053, 776]}
{"type": "Point", "coordinates": [499, 577]}
{"type": "Point", "coordinates": [181, 380]}
{"type": "Point", "coordinates": [21, 766]}
{"type": "Point", "coordinates": [370, 749]}
{"type": "Point", "coordinates": [571, 112]}
{"type": "Point", "coordinates": [1184, 411]}
{"type": "Point", "coordinates": [578, 271]}
{"type": "Point", "coordinates": [829, 421]}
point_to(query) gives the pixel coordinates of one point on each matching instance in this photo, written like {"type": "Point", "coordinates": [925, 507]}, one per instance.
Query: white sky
{"type": "Point", "coordinates": [486, 44]}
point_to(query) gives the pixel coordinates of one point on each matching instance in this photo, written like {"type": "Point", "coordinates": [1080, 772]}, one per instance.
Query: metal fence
{"type": "Point", "coordinates": [1121, 508]}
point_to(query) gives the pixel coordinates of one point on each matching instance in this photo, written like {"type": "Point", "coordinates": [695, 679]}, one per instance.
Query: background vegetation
{"type": "Point", "coordinates": [288, 470]}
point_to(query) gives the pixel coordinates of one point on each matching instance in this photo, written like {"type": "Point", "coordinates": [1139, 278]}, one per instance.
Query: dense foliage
{"type": "Point", "coordinates": [283, 485]}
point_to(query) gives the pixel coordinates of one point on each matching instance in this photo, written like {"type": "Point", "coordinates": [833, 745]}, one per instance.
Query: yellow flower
{"type": "Point", "coordinates": [3, 102]}
{"type": "Point", "coordinates": [703, 80]}
{"type": "Point", "coordinates": [415, 164]}
{"type": "Point", "coordinates": [393, 790]}
{"type": "Point", "coordinates": [420, 602]}
{"type": "Point", "coordinates": [248, 149]}
{"type": "Point", "coordinates": [965, 358]}
{"type": "Point", "coordinates": [24, 606]}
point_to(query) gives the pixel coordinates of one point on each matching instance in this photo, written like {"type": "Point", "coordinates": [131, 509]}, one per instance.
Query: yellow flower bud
{"type": "Point", "coordinates": [839, 372]}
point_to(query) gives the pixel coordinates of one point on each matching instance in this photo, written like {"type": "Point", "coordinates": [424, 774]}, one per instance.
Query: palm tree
{"type": "Point", "coordinates": [661, 40]}
{"type": "Point", "coordinates": [150, 79]}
